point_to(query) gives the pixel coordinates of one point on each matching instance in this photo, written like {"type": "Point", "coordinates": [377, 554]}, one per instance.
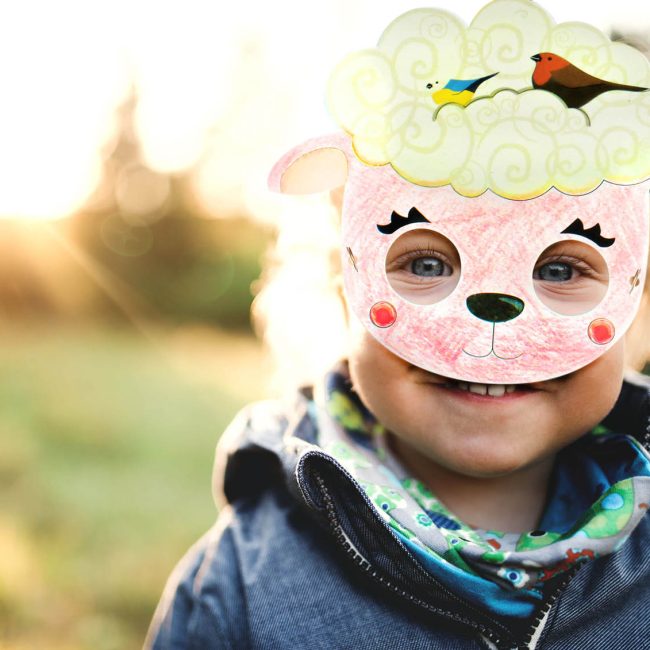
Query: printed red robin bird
{"type": "Point", "coordinates": [570, 83]}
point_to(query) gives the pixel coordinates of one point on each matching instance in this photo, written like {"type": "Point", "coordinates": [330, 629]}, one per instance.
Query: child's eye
{"type": "Point", "coordinates": [554, 272]}
{"type": "Point", "coordinates": [571, 277]}
{"type": "Point", "coordinates": [429, 267]}
{"type": "Point", "coordinates": [423, 266]}
{"type": "Point", "coordinates": [426, 265]}
{"type": "Point", "coordinates": [562, 270]}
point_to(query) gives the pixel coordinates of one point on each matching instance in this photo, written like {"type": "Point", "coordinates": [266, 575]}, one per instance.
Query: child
{"type": "Point", "coordinates": [473, 474]}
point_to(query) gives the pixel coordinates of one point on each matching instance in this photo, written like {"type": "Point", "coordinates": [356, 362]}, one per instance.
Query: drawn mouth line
{"type": "Point", "coordinates": [483, 356]}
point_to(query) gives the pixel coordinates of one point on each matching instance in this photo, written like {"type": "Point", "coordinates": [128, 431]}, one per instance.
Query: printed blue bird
{"type": "Point", "coordinates": [458, 91]}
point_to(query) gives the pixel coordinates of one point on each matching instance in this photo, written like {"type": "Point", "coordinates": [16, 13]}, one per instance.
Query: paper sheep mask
{"type": "Point", "coordinates": [494, 230]}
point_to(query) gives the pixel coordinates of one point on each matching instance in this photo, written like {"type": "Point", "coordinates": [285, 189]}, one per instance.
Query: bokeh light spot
{"type": "Point", "coordinates": [124, 239]}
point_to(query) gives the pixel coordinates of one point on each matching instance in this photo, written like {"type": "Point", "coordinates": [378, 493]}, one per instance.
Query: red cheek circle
{"type": "Point", "coordinates": [601, 331]}
{"type": "Point", "coordinates": [383, 314]}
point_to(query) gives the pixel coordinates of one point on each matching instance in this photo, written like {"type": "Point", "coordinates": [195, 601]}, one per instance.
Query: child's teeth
{"type": "Point", "coordinates": [479, 389]}
{"type": "Point", "coordinates": [494, 390]}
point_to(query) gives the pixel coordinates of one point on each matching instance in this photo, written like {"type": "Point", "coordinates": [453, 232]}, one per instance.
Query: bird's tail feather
{"type": "Point", "coordinates": [634, 89]}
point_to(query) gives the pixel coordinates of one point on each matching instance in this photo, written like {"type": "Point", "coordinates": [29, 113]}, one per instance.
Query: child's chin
{"type": "Point", "coordinates": [493, 460]}
{"type": "Point", "coordinates": [487, 470]}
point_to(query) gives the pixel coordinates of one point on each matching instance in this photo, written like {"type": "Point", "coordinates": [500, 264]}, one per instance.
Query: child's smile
{"type": "Point", "coordinates": [461, 394]}
{"type": "Point", "coordinates": [485, 392]}
{"type": "Point", "coordinates": [462, 427]}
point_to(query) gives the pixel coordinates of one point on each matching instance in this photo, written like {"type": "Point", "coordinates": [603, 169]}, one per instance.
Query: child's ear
{"type": "Point", "coordinates": [318, 165]}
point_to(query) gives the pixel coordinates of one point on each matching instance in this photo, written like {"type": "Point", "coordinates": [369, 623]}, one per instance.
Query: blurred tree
{"type": "Point", "coordinates": [139, 249]}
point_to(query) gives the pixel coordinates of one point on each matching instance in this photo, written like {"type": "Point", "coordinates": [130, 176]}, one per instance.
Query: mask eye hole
{"type": "Point", "coordinates": [423, 266]}
{"type": "Point", "coordinates": [571, 277]}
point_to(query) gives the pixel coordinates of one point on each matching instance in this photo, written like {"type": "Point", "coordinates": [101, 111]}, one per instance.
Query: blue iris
{"type": "Point", "coordinates": [428, 267]}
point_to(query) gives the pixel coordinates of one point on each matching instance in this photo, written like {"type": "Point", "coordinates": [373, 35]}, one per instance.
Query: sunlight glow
{"type": "Point", "coordinates": [220, 90]}
{"type": "Point", "coordinates": [58, 95]}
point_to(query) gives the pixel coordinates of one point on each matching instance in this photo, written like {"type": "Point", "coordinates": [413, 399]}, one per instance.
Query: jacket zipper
{"type": "Point", "coordinates": [364, 565]}
{"type": "Point", "coordinates": [532, 637]}
{"type": "Point", "coordinates": [486, 633]}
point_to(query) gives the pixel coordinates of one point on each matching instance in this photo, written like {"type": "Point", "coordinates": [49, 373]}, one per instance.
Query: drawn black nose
{"type": "Point", "coordinates": [495, 307]}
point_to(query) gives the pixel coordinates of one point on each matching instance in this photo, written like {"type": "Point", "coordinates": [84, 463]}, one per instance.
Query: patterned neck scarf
{"type": "Point", "coordinates": [599, 492]}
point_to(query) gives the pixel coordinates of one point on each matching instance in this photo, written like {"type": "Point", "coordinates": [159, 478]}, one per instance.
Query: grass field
{"type": "Point", "coordinates": [106, 448]}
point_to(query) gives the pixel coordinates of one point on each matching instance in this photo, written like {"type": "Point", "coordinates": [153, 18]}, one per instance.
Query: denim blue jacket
{"type": "Point", "coordinates": [298, 558]}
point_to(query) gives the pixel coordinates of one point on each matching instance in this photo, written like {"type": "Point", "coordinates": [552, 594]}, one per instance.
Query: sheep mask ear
{"type": "Point", "coordinates": [317, 165]}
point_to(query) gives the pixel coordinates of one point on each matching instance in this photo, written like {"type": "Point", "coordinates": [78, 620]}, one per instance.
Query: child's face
{"type": "Point", "coordinates": [475, 435]}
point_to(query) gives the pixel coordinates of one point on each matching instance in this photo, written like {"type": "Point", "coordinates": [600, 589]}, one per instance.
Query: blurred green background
{"type": "Point", "coordinates": [105, 463]}
{"type": "Point", "coordinates": [126, 349]}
